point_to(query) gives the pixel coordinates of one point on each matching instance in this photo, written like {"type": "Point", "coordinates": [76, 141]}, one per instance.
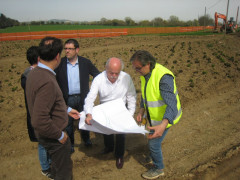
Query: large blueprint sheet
{"type": "Point", "coordinates": [111, 118]}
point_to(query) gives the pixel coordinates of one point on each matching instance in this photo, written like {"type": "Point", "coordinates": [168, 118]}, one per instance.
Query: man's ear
{"type": "Point", "coordinates": [58, 57]}
{"type": "Point", "coordinates": [77, 49]}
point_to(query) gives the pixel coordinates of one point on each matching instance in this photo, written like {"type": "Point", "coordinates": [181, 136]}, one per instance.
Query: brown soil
{"type": "Point", "coordinates": [205, 144]}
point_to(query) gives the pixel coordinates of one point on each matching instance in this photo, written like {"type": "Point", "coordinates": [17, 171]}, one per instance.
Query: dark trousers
{"type": "Point", "coordinates": [60, 155]}
{"type": "Point", "coordinates": [119, 145]}
{"type": "Point", "coordinates": [74, 102]}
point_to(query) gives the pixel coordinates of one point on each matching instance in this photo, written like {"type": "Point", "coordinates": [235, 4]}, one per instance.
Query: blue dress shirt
{"type": "Point", "coordinates": [73, 78]}
{"type": "Point", "coordinates": [46, 67]}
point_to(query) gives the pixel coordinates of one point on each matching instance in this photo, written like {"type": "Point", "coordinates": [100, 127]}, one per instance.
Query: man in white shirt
{"type": "Point", "coordinates": [112, 84]}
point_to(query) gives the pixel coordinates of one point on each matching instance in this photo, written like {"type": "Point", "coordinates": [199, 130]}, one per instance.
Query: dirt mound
{"type": "Point", "coordinates": [200, 146]}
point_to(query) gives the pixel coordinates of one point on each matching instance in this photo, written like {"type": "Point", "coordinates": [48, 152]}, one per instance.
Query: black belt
{"type": "Point", "coordinates": [75, 95]}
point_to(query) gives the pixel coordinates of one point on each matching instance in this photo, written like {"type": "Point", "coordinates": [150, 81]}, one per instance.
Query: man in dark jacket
{"type": "Point", "coordinates": [73, 79]}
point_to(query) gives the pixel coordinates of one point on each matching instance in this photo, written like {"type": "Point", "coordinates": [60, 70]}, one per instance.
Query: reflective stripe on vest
{"type": "Point", "coordinates": [155, 102]}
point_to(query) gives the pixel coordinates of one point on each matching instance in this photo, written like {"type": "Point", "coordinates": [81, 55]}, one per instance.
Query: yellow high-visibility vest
{"type": "Point", "coordinates": [155, 103]}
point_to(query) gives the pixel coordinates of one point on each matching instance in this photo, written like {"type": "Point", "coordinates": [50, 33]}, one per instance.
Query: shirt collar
{"type": "Point", "coordinates": [45, 67]}
{"type": "Point", "coordinates": [70, 63]}
{"type": "Point", "coordinates": [148, 76]}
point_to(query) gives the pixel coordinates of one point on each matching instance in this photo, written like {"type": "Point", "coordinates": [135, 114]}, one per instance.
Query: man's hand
{"type": "Point", "coordinates": [88, 119]}
{"type": "Point", "coordinates": [139, 118]}
{"type": "Point", "coordinates": [140, 115]}
{"type": "Point", "coordinates": [64, 139]}
{"type": "Point", "coordinates": [74, 114]}
{"type": "Point", "coordinates": [158, 130]}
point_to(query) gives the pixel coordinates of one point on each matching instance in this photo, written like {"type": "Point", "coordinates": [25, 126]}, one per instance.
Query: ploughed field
{"type": "Point", "coordinates": [205, 144]}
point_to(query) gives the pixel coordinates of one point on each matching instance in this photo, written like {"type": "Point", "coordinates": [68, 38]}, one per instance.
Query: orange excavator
{"type": "Point", "coordinates": [231, 25]}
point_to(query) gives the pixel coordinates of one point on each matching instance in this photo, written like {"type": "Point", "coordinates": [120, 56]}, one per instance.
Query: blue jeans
{"type": "Point", "coordinates": [155, 147]}
{"type": "Point", "coordinates": [44, 158]}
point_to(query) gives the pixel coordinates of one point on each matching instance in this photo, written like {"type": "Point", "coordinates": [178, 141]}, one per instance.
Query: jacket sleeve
{"type": "Point", "coordinates": [23, 81]}
{"type": "Point", "coordinates": [93, 70]}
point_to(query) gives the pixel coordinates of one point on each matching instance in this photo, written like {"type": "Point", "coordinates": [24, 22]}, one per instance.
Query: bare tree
{"type": "Point", "coordinates": [173, 21]}
{"type": "Point", "coordinates": [208, 20]}
{"type": "Point", "coordinates": [129, 21]}
{"type": "Point", "coordinates": [145, 23]}
{"type": "Point", "coordinates": [158, 21]}
{"type": "Point", "coordinates": [103, 21]}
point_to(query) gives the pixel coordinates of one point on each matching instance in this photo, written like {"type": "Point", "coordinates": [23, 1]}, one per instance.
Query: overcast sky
{"type": "Point", "coordinates": [94, 10]}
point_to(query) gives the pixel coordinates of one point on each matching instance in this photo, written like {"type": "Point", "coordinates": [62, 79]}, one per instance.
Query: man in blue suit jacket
{"type": "Point", "coordinates": [73, 78]}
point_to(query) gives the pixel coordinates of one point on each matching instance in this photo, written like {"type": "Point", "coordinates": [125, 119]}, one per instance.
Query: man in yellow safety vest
{"type": "Point", "coordinates": [160, 102]}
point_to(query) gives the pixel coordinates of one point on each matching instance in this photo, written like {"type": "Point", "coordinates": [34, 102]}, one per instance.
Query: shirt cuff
{"type": "Point", "coordinates": [87, 111]}
{"type": "Point", "coordinates": [69, 109]}
{"type": "Point", "coordinates": [170, 120]}
{"type": "Point", "coordinates": [61, 136]}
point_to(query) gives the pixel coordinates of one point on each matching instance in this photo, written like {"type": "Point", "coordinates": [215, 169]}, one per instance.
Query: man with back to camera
{"type": "Point", "coordinates": [48, 110]}
{"type": "Point", "coordinates": [161, 102]}
{"type": "Point", "coordinates": [73, 79]}
{"type": "Point", "coordinates": [45, 162]}
{"type": "Point", "coordinates": [112, 84]}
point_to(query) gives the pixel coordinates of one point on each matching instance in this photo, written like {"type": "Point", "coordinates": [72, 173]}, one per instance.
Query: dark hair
{"type": "Point", "coordinates": [32, 55]}
{"type": "Point", "coordinates": [49, 48]}
{"type": "Point", "coordinates": [144, 57]}
{"type": "Point", "coordinates": [72, 41]}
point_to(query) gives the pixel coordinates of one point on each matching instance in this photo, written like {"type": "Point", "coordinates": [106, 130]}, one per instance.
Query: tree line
{"type": "Point", "coordinates": [7, 22]}
{"type": "Point", "coordinates": [156, 22]}
{"type": "Point", "coordinates": [173, 21]}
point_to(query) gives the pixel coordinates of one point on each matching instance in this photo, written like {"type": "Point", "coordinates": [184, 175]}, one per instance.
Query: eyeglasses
{"type": "Point", "coordinates": [69, 49]}
{"type": "Point", "coordinates": [138, 68]}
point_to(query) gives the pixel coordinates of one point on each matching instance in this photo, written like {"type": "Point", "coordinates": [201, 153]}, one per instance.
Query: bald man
{"type": "Point", "coordinates": [112, 84]}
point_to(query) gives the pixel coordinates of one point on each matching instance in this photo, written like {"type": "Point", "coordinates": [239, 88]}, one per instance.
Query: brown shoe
{"type": "Point", "coordinates": [119, 163]}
